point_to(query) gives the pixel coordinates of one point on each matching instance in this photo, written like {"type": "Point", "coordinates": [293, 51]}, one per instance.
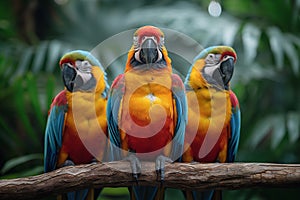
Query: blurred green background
{"type": "Point", "coordinates": [266, 35]}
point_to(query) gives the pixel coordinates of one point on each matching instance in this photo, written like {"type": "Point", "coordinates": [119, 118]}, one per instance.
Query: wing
{"type": "Point", "coordinates": [54, 130]}
{"type": "Point", "coordinates": [112, 112]}
{"type": "Point", "coordinates": [235, 125]}
{"type": "Point", "coordinates": [181, 112]}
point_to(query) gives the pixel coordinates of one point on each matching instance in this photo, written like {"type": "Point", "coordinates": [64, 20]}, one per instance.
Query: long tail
{"type": "Point", "coordinates": [217, 195]}
{"type": "Point", "coordinates": [85, 194]}
{"type": "Point", "coordinates": [146, 193]}
{"type": "Point", "coordinates": [203, 195]}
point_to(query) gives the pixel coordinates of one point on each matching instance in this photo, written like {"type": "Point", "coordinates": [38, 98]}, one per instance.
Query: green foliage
{"type": "Point", "coordinates": [28, 87]}
{"type": "Point", "coordinates": [265, 35]}
{"type": "Point", "coordinates": [114, 193]}
{"type": "Point", "coordinates": [14, 163]}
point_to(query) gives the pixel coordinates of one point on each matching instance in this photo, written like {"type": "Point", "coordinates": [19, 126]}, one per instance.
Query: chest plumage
{"type": "Point", "coordinates": [147, 110]}
{"type": "Point", "coordinates": [84, 135]}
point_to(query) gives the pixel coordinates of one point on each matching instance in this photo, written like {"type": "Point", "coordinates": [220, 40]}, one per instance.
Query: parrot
{"type": "Point", "coordinates": [213, 131]}
{"type": "Point", "coordinates": [147, 109]}
{"type": "Point", "coordinates": [76, 129]}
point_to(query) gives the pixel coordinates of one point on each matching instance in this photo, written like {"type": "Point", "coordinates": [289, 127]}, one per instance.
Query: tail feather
{"type": "Point", "coordinates": [145, 193]}
{"type": "Point", "coordinates": [197, 195]}
{"type": "Point", "coordinates": [77, 195]}
{"type": "Point", "coordinates": [217, 195]}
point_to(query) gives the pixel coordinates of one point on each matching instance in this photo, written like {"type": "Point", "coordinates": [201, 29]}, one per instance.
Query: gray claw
{"type": "Point", "coordinates": [67, 163]}
{"type": "Point", "coordinates": [135, 165]}
{"type": "Point", "coordinates": [160, 166]}
{"type": "Point", "coordinates": [94, 161]}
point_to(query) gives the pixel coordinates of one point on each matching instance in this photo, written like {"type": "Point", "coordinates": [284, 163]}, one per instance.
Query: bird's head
{"type": "Point", "coordinates": [148, 48]}
{"type": "Point", "coordinates": [216, 64]}
{"type": "Point", "coordinates": [77, 70]}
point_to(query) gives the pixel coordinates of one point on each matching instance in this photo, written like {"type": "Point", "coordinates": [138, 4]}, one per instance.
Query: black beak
{"type": "Point", "coordinates": [227, 68]}
{"type": "Point", "coordinates": [68, 75]}
{"type": "Point", "coordinates": [149, 51]}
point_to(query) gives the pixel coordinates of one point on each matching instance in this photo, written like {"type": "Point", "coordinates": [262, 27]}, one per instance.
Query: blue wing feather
{"type": "Point", "coordinates": [235, 124]}
{"type": "Point", "coordinates": [113, 107]}
{"type": "Point", "coordinates": [53, 140]}
{"type": "Point", "coordinates": [53, 136]}
{"type": "Point", "coordinates": [181, 108]}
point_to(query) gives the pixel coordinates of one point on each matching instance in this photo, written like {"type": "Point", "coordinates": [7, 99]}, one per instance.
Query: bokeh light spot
{"type": "Point", "coordinates": [214, 9]}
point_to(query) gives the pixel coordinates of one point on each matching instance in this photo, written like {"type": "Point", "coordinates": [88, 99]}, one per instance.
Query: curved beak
{"type": "Point", "coordinates": [149, 51]}
{"type": "Point", "coordinates": [69, 75]}
{"type": "Point", "coordinates": [75, 80]}
{"type": "Point", "coordinates": [226, 69]}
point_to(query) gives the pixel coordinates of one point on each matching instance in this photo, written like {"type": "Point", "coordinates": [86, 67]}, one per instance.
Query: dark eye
{"type": "Point", "coordinates": [211, 56]}
{"type": "Point", "coordinates": [210, 59]}
{"type": "Point", "coordinates": [85, 63]}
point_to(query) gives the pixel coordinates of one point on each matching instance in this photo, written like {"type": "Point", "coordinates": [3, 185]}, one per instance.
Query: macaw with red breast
{"type": "Point", "coordinates": [76, 130]}
{"type": "Point", "coordinates": [147, 109]}
{"type": "Point", "coordinates": [213, 131]}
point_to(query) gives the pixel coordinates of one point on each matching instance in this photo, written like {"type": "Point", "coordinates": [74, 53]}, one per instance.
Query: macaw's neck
{"type": "Point", "coordinates": [195, 81]}
{"type": "Point", "coordinates": [100, 79]}
{"type": "Point", "coordinates": [91, 99]}
{"type": "Point", "coordinates": [212, 101]}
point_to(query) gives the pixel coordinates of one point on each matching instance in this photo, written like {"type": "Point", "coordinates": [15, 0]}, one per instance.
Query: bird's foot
{"type": "Point", "coordinates": [135, 165]}
{"type": "Point", "coordinates": [94, 161]}
{"type": "Point", "coordinates": [67, 163]}
{"type": "Point", "coordinates": [160, 166]}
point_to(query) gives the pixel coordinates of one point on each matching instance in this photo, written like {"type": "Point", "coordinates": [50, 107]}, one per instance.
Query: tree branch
{"type": "Point", "coordinates": [185, 176]}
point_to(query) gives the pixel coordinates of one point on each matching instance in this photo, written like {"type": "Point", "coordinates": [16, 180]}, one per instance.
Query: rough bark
{"type": "Point", "coordinates": [227, 176]}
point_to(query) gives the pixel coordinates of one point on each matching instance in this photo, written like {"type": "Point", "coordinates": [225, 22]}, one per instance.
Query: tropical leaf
{"type": "Point", "coordinates": [251, 37]}
{"type": "Point", "coordinates": [293, 124]}
{"type": "Point", "coordinates": [272, 126]}
{"type": "Point", "coordinates": [292, 54]}
{"type": "Point", "coordinates": [276, 41]}
{"type": "Point", "coordinates": [14, 162]}
{"type": "Point", "coordinates": [40, 57]}
{"type": "Point", "coordinates": [278, 130]}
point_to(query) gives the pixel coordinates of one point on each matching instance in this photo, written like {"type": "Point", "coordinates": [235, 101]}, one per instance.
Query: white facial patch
{"type": "Point", "coordinates": [84, 70]}
{"type": "Point", "coordinates": [83, 66]}
{"type": "Point", "coordinates": [212, 59]}
{"type": "Point", "coordinates": [210, 69]}
{"type": "Point", "coordinates": [159, 55]}
{"type": "Point", "coordinates": [137, 55]}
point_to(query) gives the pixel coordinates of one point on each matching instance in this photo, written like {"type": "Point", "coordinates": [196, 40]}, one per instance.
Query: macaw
{"type": "Point", "coordinates": [213, 131]}
{"type": "Point", "coordinates": [76, 130]}
{"type": "Point", "coordinates": [147, 109]}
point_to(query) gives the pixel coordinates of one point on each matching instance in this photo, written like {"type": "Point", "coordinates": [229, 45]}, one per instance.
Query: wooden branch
{"type": "Point", "coordinates": [227, 176]}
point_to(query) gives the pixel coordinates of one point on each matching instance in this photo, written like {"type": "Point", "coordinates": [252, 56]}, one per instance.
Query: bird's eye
{"type": "Point", "coordinates": [210, 56]}
{"type": "Point", "coordinates": [210, 59]}
{"type": "Point", "coordinates": [83, 66]}
{"type": "Point", "coordinates": [85, 63]}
